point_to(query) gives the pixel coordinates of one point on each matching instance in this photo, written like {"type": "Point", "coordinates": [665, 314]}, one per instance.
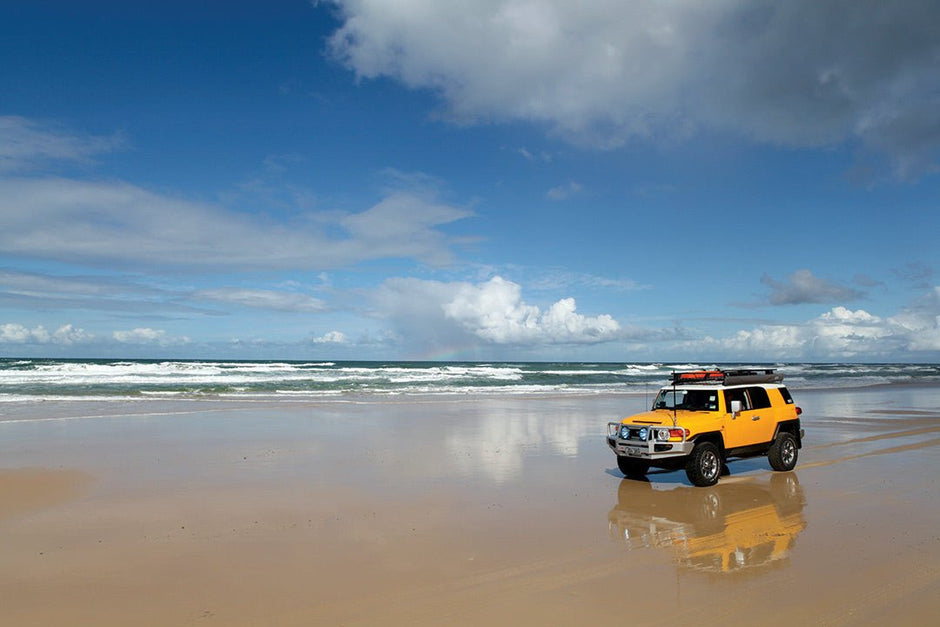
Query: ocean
{"type": "Point", "coordinates": [101, 379]}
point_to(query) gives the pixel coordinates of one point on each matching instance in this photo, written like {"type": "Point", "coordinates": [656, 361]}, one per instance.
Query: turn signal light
{"type": "Point", "coordinates": [676, 435]}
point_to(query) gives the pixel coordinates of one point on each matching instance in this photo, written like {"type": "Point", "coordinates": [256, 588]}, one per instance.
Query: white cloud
{"type": "Point", "coordinates": [798, 73]}
{"type": "Point", "coordinates": [544, 157]}
{"type": "Point", "coordinates": [557, 278]}
{"type": "Point", "coordinates": [116, 223]}
{"type": "Point", "coordinates": [12, 333]}
{"type": "Point", "coordinates": [921, 323]}
{"type": "Point", "coordinates": [65, 335]}
{"type": "Point", "coordinates": [113, 222]}
{"type": "Point", "coordinates": [68, 335]}
{"type": "Point", "coordinates": [839, 333]}
{"type": "Point", "coordinates": [145, 335]}
{"type": "Point", "coordinates": [841, 315]}
{"type": "Point", "coordinates": [139, 336]}
{"type": "Point", "coordinates": [45, 286]}
{"type": "Point", "coordinates": [403, 225]}
{"type": "Point", "coordinates": [564, 192]}
{"type": "Point", "coordinates": [262, 299]}
{"type": "Point", "coordinates": [805, 287]}
{"type": "Point", "coordinates": [333, 337]}
{"type": "Point", "coordinates": [492, 312]}
{"type": "Point", "coordinates": [25, 144]}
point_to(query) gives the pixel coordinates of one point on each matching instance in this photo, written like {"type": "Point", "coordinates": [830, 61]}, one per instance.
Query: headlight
{"type": "Point", "coordinates": [624, 432]}
{"type": "Point", "coordinates": [662, 435]}
{"type": "Point", "coordinates": [643, 433]}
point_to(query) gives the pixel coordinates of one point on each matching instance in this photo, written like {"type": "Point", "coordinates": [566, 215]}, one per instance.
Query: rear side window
{"type": "Point", "coordinates": [786, 395]}
{"type": "Point", "coordinates": [759, 398]}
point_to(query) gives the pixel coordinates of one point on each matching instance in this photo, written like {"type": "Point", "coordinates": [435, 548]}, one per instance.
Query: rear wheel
{"type": "Point", "coordinates": [783, 452]}
{"type": "Point", "coordinates": [704, 465]}
{"type": "Point", "coordinates": [632, 467]}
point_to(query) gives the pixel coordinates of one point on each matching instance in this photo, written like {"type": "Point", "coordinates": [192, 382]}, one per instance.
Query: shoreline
{"type": "Point", "coordinates": [341, 396]}
{"type": "Point", "coordinates": [32, 381]}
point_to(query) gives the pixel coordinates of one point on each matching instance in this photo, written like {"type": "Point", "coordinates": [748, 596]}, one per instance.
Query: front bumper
{"type": "Point", "coordinates": [650, 448]}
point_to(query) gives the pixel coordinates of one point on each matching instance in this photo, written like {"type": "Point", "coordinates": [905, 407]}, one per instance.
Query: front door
{"type": "Point", "coordinates": [754, 424]}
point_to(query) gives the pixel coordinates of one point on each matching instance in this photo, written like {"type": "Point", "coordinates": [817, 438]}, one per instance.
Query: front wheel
{"type": "Point", "coordinates": [704, 465]}
{"type": "Point", "coordinates": [783, 452]}
{"type": "Point", "coordinates": [633, 468]}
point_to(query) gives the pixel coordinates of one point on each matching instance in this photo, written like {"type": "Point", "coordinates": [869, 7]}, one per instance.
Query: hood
{"type": "Point", "coordinates": [660, 417]}
{"type": "Point", "coordinates": [664, 417]}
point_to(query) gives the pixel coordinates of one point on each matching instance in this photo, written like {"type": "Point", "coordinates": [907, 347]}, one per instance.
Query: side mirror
{"type": "Point", "coordinates": [735, 407]}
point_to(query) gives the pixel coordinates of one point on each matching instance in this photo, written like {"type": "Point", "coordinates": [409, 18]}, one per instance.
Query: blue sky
{"type": "Point", "coordinates": [502, 179]}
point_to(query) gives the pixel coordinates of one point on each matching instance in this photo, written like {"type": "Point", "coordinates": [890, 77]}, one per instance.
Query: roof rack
{"type": "Point", "coordinates": [726, 377]}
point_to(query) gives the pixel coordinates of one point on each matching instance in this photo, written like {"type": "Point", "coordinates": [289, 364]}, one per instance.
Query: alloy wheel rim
{"type": "Point", "coordinates": [710, 465]}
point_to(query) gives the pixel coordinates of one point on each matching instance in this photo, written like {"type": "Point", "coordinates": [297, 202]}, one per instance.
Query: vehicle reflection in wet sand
{"type": "Point", "coordinates": [727, 528]}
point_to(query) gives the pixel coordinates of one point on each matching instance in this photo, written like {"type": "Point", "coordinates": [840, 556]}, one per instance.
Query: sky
{"type": "Point", "coordinates": [605, 180]}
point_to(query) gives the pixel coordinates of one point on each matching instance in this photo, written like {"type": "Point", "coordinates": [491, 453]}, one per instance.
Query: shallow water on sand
{"type": "Point", "coordinates": [486, 510]}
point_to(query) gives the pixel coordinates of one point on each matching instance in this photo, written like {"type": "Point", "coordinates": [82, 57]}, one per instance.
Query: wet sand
{"type": "Point", "coordinates": [460, 511]}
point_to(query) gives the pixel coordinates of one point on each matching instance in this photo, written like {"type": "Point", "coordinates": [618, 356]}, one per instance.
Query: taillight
{"type": "Point", "coordinates": [798, 411]}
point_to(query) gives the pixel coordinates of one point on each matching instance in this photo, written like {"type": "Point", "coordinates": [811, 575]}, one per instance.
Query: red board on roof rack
{"type": "Point", "coordinates": [727, 377]}
{"type": "Point", "coordinates": [698, 376]}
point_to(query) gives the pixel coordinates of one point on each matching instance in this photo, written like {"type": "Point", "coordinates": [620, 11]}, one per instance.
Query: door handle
{"type": "Point", "coordinates": [756, 418]}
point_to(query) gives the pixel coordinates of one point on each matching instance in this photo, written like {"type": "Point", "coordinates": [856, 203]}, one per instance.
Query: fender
{"type": "Point", "coordinates": [792, 426]}
{"type": "Point", "coordinates": [710, 436]}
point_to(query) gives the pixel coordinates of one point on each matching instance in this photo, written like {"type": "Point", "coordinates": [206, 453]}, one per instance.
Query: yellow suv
{"type": "Point", "coordinates": [705, 417]}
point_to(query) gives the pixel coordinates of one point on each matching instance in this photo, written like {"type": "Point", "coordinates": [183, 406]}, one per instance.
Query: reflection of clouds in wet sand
{"type": "Point", "coordinates": [496, 443]}
{"type": "Point", "coordinates": [728, 528]}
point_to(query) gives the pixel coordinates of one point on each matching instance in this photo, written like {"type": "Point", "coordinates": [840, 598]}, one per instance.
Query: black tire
{"type": "Point", "coordinates": [704, 465]}
{"type": "Point", "coordinates": [634, 468]}
{"type": "Point", "coordinates": [783, 452]}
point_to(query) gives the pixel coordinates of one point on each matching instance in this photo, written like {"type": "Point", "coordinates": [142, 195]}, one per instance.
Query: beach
{"type": "Point", "coordinates": [457, 509]}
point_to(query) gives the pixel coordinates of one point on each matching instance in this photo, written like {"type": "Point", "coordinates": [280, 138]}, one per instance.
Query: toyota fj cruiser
{"type": "Point", "coordinates": [703, 418]}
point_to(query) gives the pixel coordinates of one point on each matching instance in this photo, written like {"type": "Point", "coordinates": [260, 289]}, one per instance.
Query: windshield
{"type": "Point", "coordinates": [691, 400]}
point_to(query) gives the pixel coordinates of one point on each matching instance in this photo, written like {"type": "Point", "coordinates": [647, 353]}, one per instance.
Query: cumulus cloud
{"type": "Point", "coordinates": [145, 335]}
{"type": "Point", "coordinates": [920, 323]}
{"type": "Point", "coordinates": [332, 337]}
{"type": "Point", "coordinates": [804, 287]}
{"type": "Point", "coordinates": [492, 312]}
{"type": "Point", "coordinates": [65, 335]}
{"type": "Point", "coordinates": [262, 299]}
{"type": "Point", "coordinates": [839, 333]}
{"type": "Point", "coordinates": [800, 73]}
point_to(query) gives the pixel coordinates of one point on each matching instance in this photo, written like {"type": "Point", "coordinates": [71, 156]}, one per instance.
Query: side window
{"type": "Point", "coordinates": [701, 400]}
{"type": "Point", "coordinates": [759, 398]}
{"type": "Point", "coordinates": [736, 395]}
{"type": "Point", "coordinates": [786, 395]}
